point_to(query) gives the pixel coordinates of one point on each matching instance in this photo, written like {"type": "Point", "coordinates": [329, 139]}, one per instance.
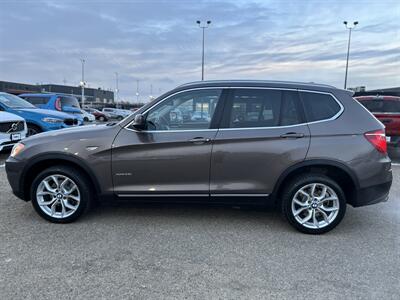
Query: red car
{"type": "Point", "coordinates": [387, 110]}
{"type": "Point", "coordinates": [97, 114]}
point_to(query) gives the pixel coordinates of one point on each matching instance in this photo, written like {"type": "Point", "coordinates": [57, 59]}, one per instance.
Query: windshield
{"type": "Point", "coordinates": [12, 101]}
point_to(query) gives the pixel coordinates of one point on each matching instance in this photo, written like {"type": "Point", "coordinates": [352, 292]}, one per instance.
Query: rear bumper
{"type": "Point", "coordinates": [372, 195]}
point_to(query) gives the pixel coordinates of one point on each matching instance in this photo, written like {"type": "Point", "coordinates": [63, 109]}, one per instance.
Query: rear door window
{"type": "Point", "coordinates": [318, 106]}
{"type": "Point", "coordinates": [252, 108]}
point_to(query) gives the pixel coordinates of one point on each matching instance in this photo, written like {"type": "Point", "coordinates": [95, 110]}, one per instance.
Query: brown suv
{"type": "Point", "coordinates": [309, 148]}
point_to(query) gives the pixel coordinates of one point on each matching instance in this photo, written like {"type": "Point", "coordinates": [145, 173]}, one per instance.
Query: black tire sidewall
{"type": "Point", "coordinates": [35, 128]}
{"type": "Point", "coordinates": [80, 181]}
{"type": "Point", "coordinates": [102, 119]}
{"type": "Point", "coordinates": [295, 185]}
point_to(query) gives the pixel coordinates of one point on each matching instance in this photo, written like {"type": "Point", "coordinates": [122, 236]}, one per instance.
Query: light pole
{"type": "Point", "coordinates": [137, 91]}
{"type": "Point", "coordinates": [350, 28]}
{"type": "Point", "coordinates": [203, 27]}
{"type": "Point", "coordinates": [83, 82]}
{"type": "Point", "coordinates": [116, 89]}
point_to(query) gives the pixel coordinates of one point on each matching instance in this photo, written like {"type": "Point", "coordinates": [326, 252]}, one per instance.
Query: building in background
{"type": "Point", "coordinates": [95, 97]}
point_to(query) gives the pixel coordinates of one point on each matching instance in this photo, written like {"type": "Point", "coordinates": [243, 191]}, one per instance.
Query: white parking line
{"type": "Point", "coordinates": [2, 166]}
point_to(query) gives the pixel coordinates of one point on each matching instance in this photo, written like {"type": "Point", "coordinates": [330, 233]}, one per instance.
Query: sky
{"type": "Point", "coordinates": [158, 43]}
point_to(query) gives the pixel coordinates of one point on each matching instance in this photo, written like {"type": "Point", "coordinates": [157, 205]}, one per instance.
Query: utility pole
{"type": "Point", "coordinates": [203, 27]}
{"type": "Point", "coordinates": [350, 28]}
{"type": "Point", "coordinates": [83, 83]}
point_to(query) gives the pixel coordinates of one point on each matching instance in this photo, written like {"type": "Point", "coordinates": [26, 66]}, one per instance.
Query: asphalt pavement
{"type": "Point", "coordinates": [129, 251]}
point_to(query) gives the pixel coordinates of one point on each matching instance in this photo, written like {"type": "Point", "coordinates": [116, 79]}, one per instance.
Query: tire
{"type": "Point", "coordinates": [102, 119]}
{"type": "Point", "coordinates": [295, 201]}
{"type": "Point", "coordinates": [119, 118]}
{"type": "Point", "coordinates": [85, 119]}
{"type": "Point", "coordinates": [33, 129]}
{"type": "Point", "coordinates": [62, 207]}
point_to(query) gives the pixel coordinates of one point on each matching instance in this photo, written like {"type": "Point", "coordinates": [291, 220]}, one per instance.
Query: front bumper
{"type": "Point", "coordinates": [14, 170]}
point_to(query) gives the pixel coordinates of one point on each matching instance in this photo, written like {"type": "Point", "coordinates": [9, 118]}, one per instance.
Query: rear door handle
{"type": "Point", "coordinates": [292, 135]}
{"type": "Point", "coordinates": [199, 140]}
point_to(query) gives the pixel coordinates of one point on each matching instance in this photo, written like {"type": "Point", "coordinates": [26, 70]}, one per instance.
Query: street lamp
{"type": "Point", "coordinates": [350, 27]}
{"type": "Point", "coordinates": [116, 89]}
{"type": "Point", "coordinates": [203, 27]}
{"type": "Point", "coordinates": [137, 90]}
{"type": "Point", "coordinates": [83, 83]}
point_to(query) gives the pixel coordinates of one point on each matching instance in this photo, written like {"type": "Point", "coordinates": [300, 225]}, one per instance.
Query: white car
{"type": "Point", "coordinates": [87, 117]}
{"type": "Point", "coordinates": [116, 113]}
{"type": "Point", "coordinates": [12, 130]}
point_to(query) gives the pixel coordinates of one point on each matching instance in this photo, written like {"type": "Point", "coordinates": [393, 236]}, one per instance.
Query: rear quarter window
{"type": "Point", "coordinates": [319, 106]}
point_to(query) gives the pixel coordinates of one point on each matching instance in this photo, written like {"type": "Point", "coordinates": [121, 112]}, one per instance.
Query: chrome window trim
{"type": "Point", "coordinates": [242, 128]}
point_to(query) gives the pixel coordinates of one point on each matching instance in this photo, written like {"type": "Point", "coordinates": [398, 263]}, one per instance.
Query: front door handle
{"type": "Point", "coordinates": [292, 135]}
{"type": "Point", "coordinates": [199, 140]}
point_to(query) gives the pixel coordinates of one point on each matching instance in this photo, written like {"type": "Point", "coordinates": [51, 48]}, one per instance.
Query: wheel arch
{"type": "Point", "coordinates": [42, 162]}
{"type": "Point", "coordinates": [338, 171]}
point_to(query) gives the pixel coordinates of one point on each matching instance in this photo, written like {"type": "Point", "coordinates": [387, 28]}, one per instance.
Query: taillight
{"type": "Point", "coordinates": [58, 104]}
{"type": "Point", "coordinates": [378, 139]}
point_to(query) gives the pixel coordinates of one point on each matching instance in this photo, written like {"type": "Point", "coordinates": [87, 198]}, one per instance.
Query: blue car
{"type": "Point", "coordinates": [55, 101]}
{"type": "Point", "coordinates": [37, 120]}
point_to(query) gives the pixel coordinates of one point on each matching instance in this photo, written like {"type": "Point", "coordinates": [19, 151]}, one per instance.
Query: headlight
{"type": "Point", "coordinates": [52, 120]}
{"type": "Point", "coordinates": [17, 149]}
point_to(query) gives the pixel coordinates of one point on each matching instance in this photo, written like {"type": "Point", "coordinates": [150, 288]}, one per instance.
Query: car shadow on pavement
{"type": "Point", "coordinates": [185, 213]}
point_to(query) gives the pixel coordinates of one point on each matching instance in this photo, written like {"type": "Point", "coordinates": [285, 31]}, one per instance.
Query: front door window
{"type": "Point", "coordinates": [192, 110]}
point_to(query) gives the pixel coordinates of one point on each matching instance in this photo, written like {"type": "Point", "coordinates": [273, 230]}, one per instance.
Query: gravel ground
{"type": "Point", "coordinates": [201, 252]}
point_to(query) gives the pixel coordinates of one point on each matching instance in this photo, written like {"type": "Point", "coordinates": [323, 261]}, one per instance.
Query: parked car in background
{"type": "Point", "coordinates": [387, 110]}
{"type": "Point", "coordinates": [100, 116]}
{"type": "Point", "coordinates": [37, 120]}
{"type": "Point", "coordinates": [311, 150]}
{"type": "Point", "coordinates": [88, 117]}
{"type": "Point", "coordinates": [12, 130]}
{"type": "Point", "coordinates": [55, 101]}
{"type": "Point", "coordinates": [116, 113]}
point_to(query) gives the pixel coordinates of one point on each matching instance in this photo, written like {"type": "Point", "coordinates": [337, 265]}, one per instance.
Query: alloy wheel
{"type": "Point", "coordinates": [58, 196]}
{"type": "Point", "coordinates": [315, 205]}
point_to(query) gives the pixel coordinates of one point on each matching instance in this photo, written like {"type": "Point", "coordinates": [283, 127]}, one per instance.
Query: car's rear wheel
{"type": "Point", "coordinates": [313, 203]}
{"type": "Point", "coordinates": [61, 194]}
{"type": "Point", "coordinates": [33, 129]}
{"type": "Point", "coordinates": [101, 119]}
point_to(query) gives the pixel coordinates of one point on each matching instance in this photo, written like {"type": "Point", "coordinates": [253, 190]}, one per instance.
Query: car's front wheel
{"type": "Point", "coordinates": [313, 203]}
{"type": "Point", "coordinates": [61, 194]}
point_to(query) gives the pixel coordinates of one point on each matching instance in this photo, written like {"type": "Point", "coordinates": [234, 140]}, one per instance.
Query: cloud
{"type": "Point", "coordinates": [159, 43]}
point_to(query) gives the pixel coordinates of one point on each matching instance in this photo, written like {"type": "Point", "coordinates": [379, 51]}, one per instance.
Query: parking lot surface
{"type": "Point", "coordinates": [169, 252]}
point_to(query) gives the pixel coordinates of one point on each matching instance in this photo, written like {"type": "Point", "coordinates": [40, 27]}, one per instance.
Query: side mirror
{"type": "Point", "coordinates": [139, 122]}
